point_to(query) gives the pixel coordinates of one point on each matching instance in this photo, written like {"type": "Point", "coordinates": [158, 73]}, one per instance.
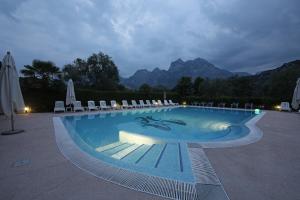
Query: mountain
{"type": "Point", "coordinates": [241, 73]}
{"type": "Point", "coordinates": [279, 82]}
{"type": "Point", "coordinates": [177, 69]}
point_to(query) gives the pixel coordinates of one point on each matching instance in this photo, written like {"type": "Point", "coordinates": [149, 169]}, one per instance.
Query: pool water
{"type": "Point", "coordinates": [154, 141]}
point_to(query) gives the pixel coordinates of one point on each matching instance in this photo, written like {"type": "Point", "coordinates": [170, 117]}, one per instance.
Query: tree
{"type": "Point", "coordinates": [78, 72]}
{"type": "Point", "coordinates": [184, 86]}
{"type": "Point", "coordinates": [98, 72]}
{"type": "Point", "coordinates": [198, 85]}
{"type": "Point", "coordinates": [145, 88]}
{"type": "Point", "coordinates": [45, 70]}
{"type": "Point", "coordinates": [41, 73]}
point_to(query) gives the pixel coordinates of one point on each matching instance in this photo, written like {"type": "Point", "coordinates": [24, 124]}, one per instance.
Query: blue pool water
{"type": "Point", "coordinates": [154, 141]}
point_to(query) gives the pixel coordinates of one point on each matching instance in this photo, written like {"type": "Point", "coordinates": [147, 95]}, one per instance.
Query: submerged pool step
{"type": "Point", "coordinates": [166, 156]}
{"type": "Point", "coordinates": [171, 158]}
{"type": "Point", "coordinates": [125, 152]}
{"type": "Point", "coordinates": [151, 156]}
{"type": "Point", "coordinates": [109, 146]}
{"type": "Point", "coordinates": [116, 149]}
{"type": "Point", "coordinates": [136, 155]}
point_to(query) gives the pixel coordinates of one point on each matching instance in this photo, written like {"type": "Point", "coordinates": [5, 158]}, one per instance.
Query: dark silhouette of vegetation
{"type": "Point", "coordinates": [198, 86]}
{"type": "Point", "coordinates": [97, 72]}
{"type": "Point", "coordinates": [41, 74]}
{"type": "Point", "coordinates": [184, 86]}
{"type": "Point", "coordinates": [145, 88]}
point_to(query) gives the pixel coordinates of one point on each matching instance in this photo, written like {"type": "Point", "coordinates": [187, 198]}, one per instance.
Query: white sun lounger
{"type": "Point", "coordinates": [103, 105]}
{"type": "Point", "coordinates": [59, 106]}
{"type": "Point", "coordinates": [148, 103]}
{"type": "Point", "coordinates": [125, 104]}
{"type": "Point", "coordinates": [285, 106]}
{"type": "Point", "coordinates": [134, 104]}
{"type": "Point", "coordinates": [166, 103]}
{"type": "Point", "coordinates": [142, 104]}
{"type": "Point", "coordinates": [159, 103]}
{"type": "Point", "coordinates": [172, 103]}
{"type": "Point", "coordinates": [154, 103]}
{"type": "Point", "coordinates": [78, 106]}
{"type": "Point", "coordinates": [92, 106]}
{"type": "Point", "coordinates": [114, 104]}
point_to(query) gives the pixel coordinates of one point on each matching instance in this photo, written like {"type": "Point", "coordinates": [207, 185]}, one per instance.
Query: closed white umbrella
{"type": "Point", "coordinates": [70, 97]}
{"type": "Point", "coordinates": [296, 96]}
{"type": "Point", "coordinates": [11, 99]}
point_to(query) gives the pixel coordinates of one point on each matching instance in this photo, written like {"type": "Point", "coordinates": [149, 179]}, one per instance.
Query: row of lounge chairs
{"type": "Point", "coordinates": [77, 106]}
{"type": "Point", "coordinates": [222, 104]}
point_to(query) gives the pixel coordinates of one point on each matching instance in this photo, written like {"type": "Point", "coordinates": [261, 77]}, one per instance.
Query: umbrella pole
{"type": "Point", "coordinates": [12, 131]}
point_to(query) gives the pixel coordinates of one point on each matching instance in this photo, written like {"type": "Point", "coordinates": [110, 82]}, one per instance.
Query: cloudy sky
{"type": "Point", "coordinates": [237, 35]}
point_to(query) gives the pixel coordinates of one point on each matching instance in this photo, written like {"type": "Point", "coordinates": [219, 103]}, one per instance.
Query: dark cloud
{"type": "Point", "coordinates": [233, 34]}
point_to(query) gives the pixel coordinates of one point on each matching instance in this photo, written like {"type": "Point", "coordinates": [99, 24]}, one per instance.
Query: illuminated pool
{"type": "Point", "coordinates": [156, 142]}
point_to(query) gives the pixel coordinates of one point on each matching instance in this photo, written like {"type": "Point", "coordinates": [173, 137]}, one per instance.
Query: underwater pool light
{"type": "Point", "coordinates": [257, 111]}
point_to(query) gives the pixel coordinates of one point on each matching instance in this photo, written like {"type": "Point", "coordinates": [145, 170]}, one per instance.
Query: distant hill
{"type": "Point", "coordinates": [177, 69]}
{"type": "Point", "coordinates": [279, 82]}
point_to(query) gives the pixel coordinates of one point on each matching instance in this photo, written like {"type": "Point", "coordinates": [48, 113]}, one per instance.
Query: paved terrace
{"type": "Point", "coordinates": [268, 169]}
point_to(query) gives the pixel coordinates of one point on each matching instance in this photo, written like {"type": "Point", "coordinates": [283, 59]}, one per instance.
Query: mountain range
{"type": "Point", "coordinates": [177, 69]}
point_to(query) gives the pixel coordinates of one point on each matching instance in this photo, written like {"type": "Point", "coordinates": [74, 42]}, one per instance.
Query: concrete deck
{"type": "Point", "coordinates": [268, 169]}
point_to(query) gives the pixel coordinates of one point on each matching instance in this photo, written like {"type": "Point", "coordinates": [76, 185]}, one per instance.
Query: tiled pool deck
{"type": "Point", "coordinates": [33, 168]}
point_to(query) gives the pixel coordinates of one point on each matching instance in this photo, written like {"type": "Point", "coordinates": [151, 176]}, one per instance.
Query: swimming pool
{"type": "Point", "coordinates": [158, 142]}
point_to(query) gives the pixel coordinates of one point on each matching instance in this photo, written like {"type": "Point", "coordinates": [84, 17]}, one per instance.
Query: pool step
{"type": "Point", "coordinates": [151, 156]}
{"type": "Point", "coordinates": [126, 151]}
{"type": "Point", "coordinates": [137, 154]}
{"type": "Point", "coordinates": [170, 158]}
{"type": "Point", "coordinates": [166, 156]}
{"type": "Point", "coordinates": [109, 146]}
{"type": "Point", "coordinates": [117, 149]}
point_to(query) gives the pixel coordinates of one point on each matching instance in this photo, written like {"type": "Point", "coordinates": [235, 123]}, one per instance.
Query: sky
{"type": "Point", "coordinates": [237, 35]}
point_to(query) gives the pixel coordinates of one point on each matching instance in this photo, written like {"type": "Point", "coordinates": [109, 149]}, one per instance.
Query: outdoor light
{"type": "Point", "coordinates": [278, 107]}
{"type": "Point", "coordinates": [257, 111]}
{"type": "Point", "coordinates": [184, 103]}
{"type": "Point", "coordinates": [27, 109]}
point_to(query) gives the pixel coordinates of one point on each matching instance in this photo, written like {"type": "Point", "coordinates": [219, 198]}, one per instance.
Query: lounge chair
{"type": "Point", "coordinates": [222, 104]}
{"type": "Point", "coordinates": [285, 106]}
{"type": "Point", "coordinates": [248, 105]}
{"type": "Point", "coordinates": [114, 104]}
{"type": "Point", "coordinates": [148, 103]}
{"type": "Point", "coordinates": [234, 104]}
{"type": "Point", "coordinates": [142, 104]}
{"type": "Point", "coordinates": [103, 105]}
{"type": "Point", "coordinates": [125, 104]}
{"type": "Point", "coordinates": [134, 104]}
{"type": "Point", "coordinates": [59, 106]}
{"type": "Point", "coordinates": [210, 104]}
{"type": "Point", "coordinates": [159, 103]}
{"type": "Point", "coordinates": [166, 103]}
{"type": "Point", "coordinates": [203, 103]}
{"type": "Point", "coordinates": [78, 106]}
{"type": "Point", "coordinates": [172, 103]}
{"type": "Point", "coordinates": [92, 106]}
{"type": "Point", "coordinates": [154, 103]}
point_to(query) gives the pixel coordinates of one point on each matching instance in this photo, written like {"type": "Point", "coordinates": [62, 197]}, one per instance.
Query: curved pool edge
{"type": "Point", "coordinates": [254, 135]}
{"type": "Point", "coordinates": [206, 183]}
